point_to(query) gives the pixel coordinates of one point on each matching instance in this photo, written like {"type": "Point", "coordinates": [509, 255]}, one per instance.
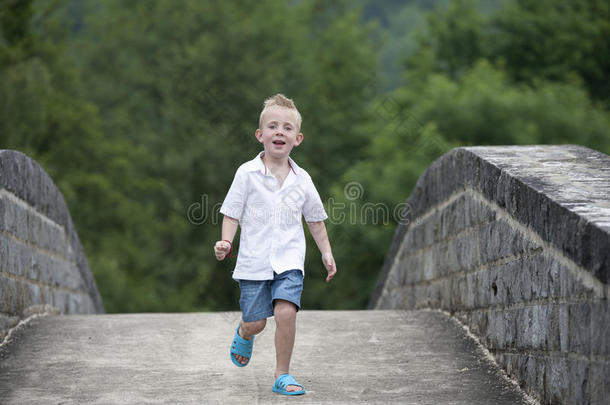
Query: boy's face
{"type": "Point", "coordinates": [279, 132]}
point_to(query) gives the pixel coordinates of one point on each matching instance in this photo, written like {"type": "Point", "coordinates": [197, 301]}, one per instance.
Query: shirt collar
{"type": "Point", "coordinates": [257, 164]}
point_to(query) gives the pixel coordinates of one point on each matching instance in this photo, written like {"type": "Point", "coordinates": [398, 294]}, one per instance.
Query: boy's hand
{"type": "Point", "coordinates": [221, 249]}
{"type": "Point", "coordinates": [329, 263]}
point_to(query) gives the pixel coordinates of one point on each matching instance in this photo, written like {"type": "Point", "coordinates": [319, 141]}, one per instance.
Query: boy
{"type": "Point", "coordinates": [268, 197]}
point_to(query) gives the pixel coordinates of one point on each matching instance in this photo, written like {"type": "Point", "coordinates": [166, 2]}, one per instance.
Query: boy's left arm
{"type": "Point", "coordinates": [318, 231]}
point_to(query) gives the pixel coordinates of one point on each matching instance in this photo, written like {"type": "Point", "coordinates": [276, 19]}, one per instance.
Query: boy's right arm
{"type": "Point", "coordinates": [229, 228]}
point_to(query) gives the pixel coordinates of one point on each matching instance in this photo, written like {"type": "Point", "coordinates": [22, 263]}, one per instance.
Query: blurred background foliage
{"type": "Point", "coordinates": [141, 111]}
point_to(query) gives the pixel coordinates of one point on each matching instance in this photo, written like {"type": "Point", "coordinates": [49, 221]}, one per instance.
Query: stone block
{"type": "Point", "coordinates": [421, 296]}
{"type": "Point", "coordinates": [74, 303]}
{"type": "Point", "coordinates": [524, 327]}
{"type": "Point", "coordinates": [462, 316]}
{"type": "Point", "coordinates": [2, 212]}
{"type": "Point", "coordinates": [49, 236]}
{"type": "Point", "coordinates": [4, 253]}
{"type": "Point", "coordinates": [494, 286]}
{"type": "Point", "coordinates": [557, 380]}
{"type": "Point", "coordinates": [472, 211]}
{"type": "Point", "coordinates": [496, 330]}
{"type": "Point", "coordinates": [513, 281]}
{"type": "Point", "coordinates": [462, 292]}
{"type": "Point", "coordinates": [564, 327]}
{"type": "Point", "coordinates": [445, 292]}
{"type": "Point", "coordinates": [514, 365]}
{"type": "Point", "coordinates": [478, 322]}
{"type": "Point", "coordinates": [15, 220]}
{"type": "Point", "coordinates": [572, 287]}
{"type": "Point", "coordinates": [32, 295]}
{"type": "Point", "coordinates": [412, 267]}
{"type": "Point", "coordinates": [503, 285]}
{"type": "Point", "coordinates": [489, 177]}
{"type": "Point", "coordinates": [467, 251]}
{"type": "Point", "coordinates": [432, 230]}
{"type": "Point", "coordinates": [61, 300]}
{"type": "Point", "coordinates": [429, 271]}
{"type": "Point", "coordinates": [533, 372]}
{"type": "Point", "coordinates": [578, 379]}
{"type": "Point", "coordinates": [600, 329]}
{"type": "Point", "coordinates": [484, 290]}
{"type": "Point", "coordinates": [452, 264]}
{"type": "Point", "coordinates": [511, 328]}
{"type": "Point", "coordinates": [599, 387]}
{"type": "Point", "coordinates": [555, 275]}
{"type": "Point", "coordinates": [31, 266]}
{"type": "Point", "coordinates": [34, 229]}
{"type": "Point", "coordinates": [524, 279]}
{"type": "Point", "coordinates": [409, 297]}
{"type": "Point", "coordinates": [439, 259]}
{"type": "Point", "coordinates": [579, 328]}
{"type": "Point", "coordinates": [433, 292]}
{"type": "Point", "coordinates": [452, 293]}
{"type": "Point", "coordinates": [16, 258]}
{"type": "Point", "coordinates": [597, 253]}
{"type": "Point", "coordinates": [410, 241]}
{"type": "Point", "coordinates": [544, 328]}
{"type": "Point", "coordinates": [415, 237]}
{"type": "Point", "coordinates": [471, 290]}
{"type": "Point", "coordinates": [452, 219]}
{"type": "Point", "coordinates": [539, 266]}
{"type": "Point", "coordinates": [65, 274]}
{"type": "Point", "coordinates": [553, 342]}
{"type": "Point", "coordinates": [8, 296]}
{"type": "Point", "coordinates": [7, 322]}
{"type": "Point", "coordinates": [492, 241]}
{"type": "Point", "coordinates": [540, 324]}
{"type": "Point", "coordinates": [398, 297]}
{"type": "Point", "coordinates": [483, 214]}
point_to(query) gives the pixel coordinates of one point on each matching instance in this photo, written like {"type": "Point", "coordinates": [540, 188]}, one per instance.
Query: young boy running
{"type": "Point", "coordinates": [268, 198]}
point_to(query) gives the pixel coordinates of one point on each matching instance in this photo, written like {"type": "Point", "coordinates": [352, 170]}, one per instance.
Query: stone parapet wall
{"type": "Point", "coordinates": [515, 243]}
{"type": "Point", "coordinates": [42, 264]}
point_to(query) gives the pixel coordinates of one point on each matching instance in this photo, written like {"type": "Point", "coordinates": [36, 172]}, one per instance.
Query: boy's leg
{"type": "Point", "coordinates": [255, 303]}
{"type": "Point", "coordinates": [247, 330]}
{"type": "Point", "coordinates": [285, 314]}
{"type": "Point", "coordinates": [286, 293]}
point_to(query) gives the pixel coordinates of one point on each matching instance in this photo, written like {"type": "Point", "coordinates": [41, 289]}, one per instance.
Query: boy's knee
{"type": "Point", "coordinates": [284, 310]}
{"type": "Point", "coordinates": [254, 327]}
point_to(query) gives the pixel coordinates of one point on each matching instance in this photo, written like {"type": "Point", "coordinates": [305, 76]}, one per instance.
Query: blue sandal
{"type": "Point", "coordinates": [283, 382]}
{"type": "Point", "coordinates": [241, 347]}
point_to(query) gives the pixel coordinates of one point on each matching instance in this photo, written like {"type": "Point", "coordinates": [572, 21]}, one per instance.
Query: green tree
{"type": "Point", "coordinates": [475, 79]}
{"type": "Point", "coordinates": [557, 41]}
{"type": "Point", "coordinates": [45, 117]}
{"type": "Point", "coordinates": [183, 82]}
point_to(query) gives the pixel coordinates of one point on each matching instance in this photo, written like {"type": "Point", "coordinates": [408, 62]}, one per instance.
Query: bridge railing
{"type": "Point", "coordinates": [42, 264]}
{"type": "Point", "coordinates": [514, 241]}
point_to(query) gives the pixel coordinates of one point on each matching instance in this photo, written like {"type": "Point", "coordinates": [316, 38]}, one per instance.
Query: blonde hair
{"type": "Point", "coordinates": [279, 100]}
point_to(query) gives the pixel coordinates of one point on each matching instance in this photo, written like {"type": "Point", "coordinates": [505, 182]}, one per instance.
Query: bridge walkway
{"type": "Point", "coordinates": [376, 356]}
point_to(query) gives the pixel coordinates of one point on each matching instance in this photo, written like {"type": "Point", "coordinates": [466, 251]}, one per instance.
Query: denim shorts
{"type": "Point", "coordinates": [257, 296]}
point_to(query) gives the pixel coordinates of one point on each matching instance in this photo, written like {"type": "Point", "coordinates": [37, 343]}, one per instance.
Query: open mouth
{"type": "Point", "coordinates": [279, 142]}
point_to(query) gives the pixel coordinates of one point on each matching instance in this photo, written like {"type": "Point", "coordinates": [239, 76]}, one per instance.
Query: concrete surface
{"type": "Point", "coordinates": [381, 356]}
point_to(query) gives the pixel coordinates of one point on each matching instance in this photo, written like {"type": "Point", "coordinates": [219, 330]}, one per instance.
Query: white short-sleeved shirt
{"type": "Point", "coordinates": [270, 217]}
